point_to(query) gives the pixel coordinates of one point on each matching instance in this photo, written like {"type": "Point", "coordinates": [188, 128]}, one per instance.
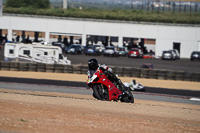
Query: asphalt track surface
{"type": "Point", "coordinates": [149, 90]}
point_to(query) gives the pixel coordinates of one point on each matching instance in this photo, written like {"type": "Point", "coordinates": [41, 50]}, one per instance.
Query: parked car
{"type": "Point", "coordinates": [61, 45]}
{"type": "Point", "coordinates": [168, 55]}
{"type": "Point", "coordinates": [122, 51]}
{"type": "Point", "coordinates": [147, 66]}
{"type": "Point", "coordinates": [195, 55]}
{"type": "Point", "coordinates": [177, 55]}
{"type": "Point", "coordinates": [101, 47]}
{"type": "Point", "coordinates": [92, 50]}
{"type": "Point", "coordinates": [74, 49]}
{"type": "Point", "coordinates": [110, 50]}
{"type": "Point", "coordinates": [135, 53]}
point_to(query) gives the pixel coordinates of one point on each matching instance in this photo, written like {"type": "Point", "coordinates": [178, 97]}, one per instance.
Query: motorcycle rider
{"type": "Point", "coordinates": [93, 65]}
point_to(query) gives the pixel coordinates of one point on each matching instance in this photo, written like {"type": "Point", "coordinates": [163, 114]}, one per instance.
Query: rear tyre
{"type": "Point", "coordinates": [100, 93]}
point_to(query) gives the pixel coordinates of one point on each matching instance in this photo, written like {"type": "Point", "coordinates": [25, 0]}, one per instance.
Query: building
{"type": "Point", "coordinates": [185, 38]}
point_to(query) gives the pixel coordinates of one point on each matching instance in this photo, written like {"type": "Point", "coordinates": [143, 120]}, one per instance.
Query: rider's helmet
{"type": "Point", "coordinates": [93, 64]}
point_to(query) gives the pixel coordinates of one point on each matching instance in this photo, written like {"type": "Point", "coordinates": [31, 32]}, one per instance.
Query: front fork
{"type": "Point", "coordinates": [103, 90]}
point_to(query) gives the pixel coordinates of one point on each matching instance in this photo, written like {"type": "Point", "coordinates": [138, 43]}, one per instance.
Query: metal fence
{"type": "Point", "coordinates": [147, 5]}
{"type": "Point", "coordinates": [120, 71]}
{"type": "Point", "coordinates": [167, 5]}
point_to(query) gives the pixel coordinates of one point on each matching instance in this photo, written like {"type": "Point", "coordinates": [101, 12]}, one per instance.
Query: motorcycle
{"type": "Point", "coordinates": [104, 89]}
{"type": "Point", "coordinates": [134, 85]}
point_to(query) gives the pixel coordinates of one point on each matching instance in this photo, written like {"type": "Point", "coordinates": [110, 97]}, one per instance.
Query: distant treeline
{"type": "Point", "coordinates": [115, 14]}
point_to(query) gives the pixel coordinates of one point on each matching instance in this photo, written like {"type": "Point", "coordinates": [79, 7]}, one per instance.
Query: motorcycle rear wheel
{"type": "Point", "coordinates": [100, 93]}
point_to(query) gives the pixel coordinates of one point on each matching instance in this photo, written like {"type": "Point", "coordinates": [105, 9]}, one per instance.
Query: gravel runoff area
{"type": "Point", "coordinates": [27, 111]}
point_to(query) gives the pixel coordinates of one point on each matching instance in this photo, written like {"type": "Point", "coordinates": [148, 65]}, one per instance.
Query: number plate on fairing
{"type": "Point", "coordinates": [91, 79]}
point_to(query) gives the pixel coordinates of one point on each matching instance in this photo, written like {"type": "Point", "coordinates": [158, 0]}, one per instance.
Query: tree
{"type": "Point", "coordinates": [28, 3]}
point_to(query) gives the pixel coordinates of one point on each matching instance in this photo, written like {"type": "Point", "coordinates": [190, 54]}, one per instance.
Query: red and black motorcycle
{"type": "Point", "coordinates": [104, 89]}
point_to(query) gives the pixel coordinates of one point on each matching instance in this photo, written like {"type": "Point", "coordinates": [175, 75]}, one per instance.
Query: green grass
{"type": "Point", "coordinates": [114, 14]}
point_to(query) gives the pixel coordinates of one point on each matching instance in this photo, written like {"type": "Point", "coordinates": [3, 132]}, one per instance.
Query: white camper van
{"type": "Point", "coordinates": [35, 53]}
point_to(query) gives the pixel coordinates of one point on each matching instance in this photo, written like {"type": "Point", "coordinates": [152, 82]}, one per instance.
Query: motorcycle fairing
{"type": "Point", "coordinates": [113, 91]}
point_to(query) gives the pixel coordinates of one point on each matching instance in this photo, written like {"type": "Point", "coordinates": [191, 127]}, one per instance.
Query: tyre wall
{"type": "Point", "coordinates": [120, 71]}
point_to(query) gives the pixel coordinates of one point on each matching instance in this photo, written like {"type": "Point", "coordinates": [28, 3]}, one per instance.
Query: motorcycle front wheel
{"type": "Point", "coordinates": [100, 93]}
{"type": "Point", "coordinates": [128, 97]}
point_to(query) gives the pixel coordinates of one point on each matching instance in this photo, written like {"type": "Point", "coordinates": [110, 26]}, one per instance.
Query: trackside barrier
{"type": "Point", "coordinates": [120, 71]}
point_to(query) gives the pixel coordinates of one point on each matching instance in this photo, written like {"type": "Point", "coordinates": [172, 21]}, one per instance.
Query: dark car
{"type": "Point", "coordinates": [135, 53]}
{"type": "Point", "coordinates": [195, 55]}
{"type": "Point", "coordinates": [169, 55]}
{"type": "Point", "coordinates": [92, 50]}
{"type": "Point", "coordinates": [111, 51]}
{"type": "Point", "coordinates": [74, 49]}
{"type": "Point", "coordinates": [59, 44]}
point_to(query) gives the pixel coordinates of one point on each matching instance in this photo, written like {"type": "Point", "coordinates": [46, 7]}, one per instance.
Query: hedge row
{"type": "Point", "coordinates": [115, 14]}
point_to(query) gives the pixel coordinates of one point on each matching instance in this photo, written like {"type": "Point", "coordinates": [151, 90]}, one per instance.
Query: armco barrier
{"type": "Point", "coordinates": [120, 71]}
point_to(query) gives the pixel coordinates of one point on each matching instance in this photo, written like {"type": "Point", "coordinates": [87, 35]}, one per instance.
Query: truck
{"type": "Point", "coordinates": [35, 52]}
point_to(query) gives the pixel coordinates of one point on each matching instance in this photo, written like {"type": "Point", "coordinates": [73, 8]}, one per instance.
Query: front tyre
{"type": "Point", "coordinates": [127, 97]}
{"type": "Point", "coordinates": [100, 93]}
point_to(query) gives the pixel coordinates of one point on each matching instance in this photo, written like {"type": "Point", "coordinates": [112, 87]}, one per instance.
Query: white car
{"type": "Point", "coordinates": [111, 50]}
{"type": "Point", "coordinates": [168, 55]}
{"type": "Point", "coordinates": [100, 47]}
